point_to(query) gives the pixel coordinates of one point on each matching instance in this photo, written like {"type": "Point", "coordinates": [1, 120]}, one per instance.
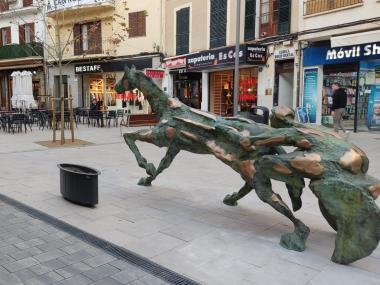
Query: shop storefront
{"type": "Point", "coordinates": [98, 82]}
{"type": "Point", "coordinates": [357, 69]}
{"type": "Point", "coordinates": [187, 86]}
{"type": "Point", "coordinates": [38, 82]}
{"type": "Point", "coordinates": [219, 63]}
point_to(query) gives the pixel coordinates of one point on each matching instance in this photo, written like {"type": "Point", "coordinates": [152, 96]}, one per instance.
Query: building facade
{"type": "Point", "coordinates": [21, 48]}
{"type": "Point", "coordinates": [200, 53]}
{"type": "Point", "coordinates": [101, 37]}
{"type": "Point", "coordinates": [341, 43]}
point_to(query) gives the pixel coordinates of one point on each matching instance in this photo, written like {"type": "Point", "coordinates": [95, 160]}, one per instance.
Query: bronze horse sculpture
{"type": "Point", "coordinates": [337, 169]}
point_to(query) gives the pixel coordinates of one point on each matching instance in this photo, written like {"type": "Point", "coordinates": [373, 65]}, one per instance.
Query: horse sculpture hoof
{"type": "Point", "coordinates": [230, 200]}
{"type": "Point", "coordinates": [295, 240]}
{"type": "Point", "coordinates": [144, 181]}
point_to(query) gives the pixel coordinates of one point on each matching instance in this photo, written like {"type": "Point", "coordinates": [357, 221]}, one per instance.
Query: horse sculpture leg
{"type": "Point", "coordinates": [295, 240]}
{"type": "Point", "coordinates": [171, 153]}
{"type": "Point", "coordinates": [231, 199]}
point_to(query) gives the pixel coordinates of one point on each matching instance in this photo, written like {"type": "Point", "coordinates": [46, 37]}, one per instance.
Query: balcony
{"type": "Point", "coordinates": [14, 51]}
{"type": "Point", "coordinates": [72, 7]}
{"type": "Point", "coordinates": [311, 7]}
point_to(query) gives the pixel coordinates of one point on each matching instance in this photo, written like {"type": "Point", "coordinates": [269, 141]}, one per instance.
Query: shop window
{"type": "Point", "coordinates": [182, 31]}
{"type": "Point", "coordinates": [5, 36]}
{"type": "Point", "coordinates": [4, 5]}
{"type": "Point", "coordinates": [218, 23]}
{"type": "Point", "coordinates": [87, 38]}
{"type": "Point", "coordinates": [137, 24]}
{"type": "Point", "coordinates": [26, 3]}
{"type": "Point", "coordinates": [26, 33]}
{"type": "Point", "coordinates": [249, 26]}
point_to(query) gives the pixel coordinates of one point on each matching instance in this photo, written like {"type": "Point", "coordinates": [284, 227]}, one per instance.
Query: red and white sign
{"type": "Point", "coordinates": [176, 62]}
{"type": "Point", "coordinates": [155, 73]}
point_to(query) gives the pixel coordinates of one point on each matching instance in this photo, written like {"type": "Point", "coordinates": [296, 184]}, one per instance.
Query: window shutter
{"type": "Point", "coordinates": [26, 3]}
{"type": "Point", "coordinates": [32, 32]}
{"type": "Point", "coordinates": [98, 37]}
{"type": "Point", "coordinates": [21, 33]}
{"type": "Point", "coordinates": [4, 5]}
{"type": "Point", "coordinates": [77, 40]}
{"type": "Point", "coordinates": [132, 19]}
{"type": "Point", "coordinates": [218, 23]}
{"type": "Point", "coordinates": [1, 37]}
{"type": "Point", "coordinates": [182, 31]}
{"type": "Point", "coordinates": [8, 33]}
{"type": "Point", "coordinates": [284, 17]}
{"type": "Point", "coordinates": [249, 23]}
{"type": "Point", "coordinates": [137, 24]}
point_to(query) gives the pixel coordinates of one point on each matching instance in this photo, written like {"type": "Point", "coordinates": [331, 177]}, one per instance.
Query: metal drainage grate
{"type": "Point", "coordinates": [117, 251]}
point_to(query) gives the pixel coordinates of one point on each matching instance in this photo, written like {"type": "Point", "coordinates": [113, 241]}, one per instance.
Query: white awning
{"type": "Point", "coordinates": [355, 39]}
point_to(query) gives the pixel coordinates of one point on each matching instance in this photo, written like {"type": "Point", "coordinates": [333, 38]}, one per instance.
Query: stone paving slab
{"type": "Point", "coordinates": [59, 259]}
{"type": "Point", "coordinates": [179, 222]}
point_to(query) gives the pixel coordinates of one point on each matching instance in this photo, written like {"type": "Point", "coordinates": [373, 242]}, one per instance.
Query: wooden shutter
{"type": "Point", "coordinates": [4, 5]}
{"type": "Point", "coordinates": [21, 33]}
{"type": "Point", "coordinates": [218, 23]}
{"type": "Point", "coordinates": [137, 24]}
{"type": "Point", "coordinates": [97, 37]}
{"type": "Point", "coordinates": [182, 31]}
{"type": "Point", "coordinates": [77, 39]}
{"type": "Point", "coordinates": [8, 37]}
{"type": "Point", "coordinates": [284, 17]}
{"type": "Point", "coordinates": [249, 22]}
{"type": "Point", "coordinates": [26, 3]}
{"type": "Point", "coordinates": [32, 32]}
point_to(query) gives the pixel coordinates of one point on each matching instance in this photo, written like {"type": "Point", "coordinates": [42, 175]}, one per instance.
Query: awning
{"type": "Point", "coordinates": [355, 39]}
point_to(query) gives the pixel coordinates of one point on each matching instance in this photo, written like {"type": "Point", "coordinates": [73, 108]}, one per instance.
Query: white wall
{"type": "Point", "coordinates": [285, 90]}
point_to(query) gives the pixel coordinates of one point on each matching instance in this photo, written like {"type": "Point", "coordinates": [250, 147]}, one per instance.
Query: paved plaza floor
{"type": "Point", "coordinates": [180, 222]}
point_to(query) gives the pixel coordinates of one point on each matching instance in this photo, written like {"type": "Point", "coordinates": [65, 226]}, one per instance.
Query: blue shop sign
{"type": "Point", "coordinates": [326, 55]}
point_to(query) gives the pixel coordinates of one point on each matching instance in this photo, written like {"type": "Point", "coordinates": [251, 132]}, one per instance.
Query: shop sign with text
{"type": "Point", "coordinates": [88, 68]}
{"type": "Point", "coordinates": [251, 54]}
{"type": "Point", "coordinates": [283, 54]}
{"type": "Point", "coordinates": [176, 62]}
{"type": "Point", "coordinates": [326, 55]}
{"type": "Point", "coordinates": [155, 73]}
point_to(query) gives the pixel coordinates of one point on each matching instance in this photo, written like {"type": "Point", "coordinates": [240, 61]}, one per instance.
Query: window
{"type": "Point", "coordinates": [182, 32]}
{"type": "Point", "coordinates": [137, 24]}
{"type": "Point", "coordinates": [26, 3]}
{"type": "Point", "coordinates": [5, 34]}
{"type": "Point", "coordinates": [284, 17]}
{"type": "Point", "coordinates": [87, 38]}
{"type": "Point", "coordinates": [84, 37]}
{"type": "Point", "coordinates": [4, 5]}
{"type": "Point", "coordinates": [218, 23]}
{"type": "Point", "coordinates": [265, 11]}
{"type": "Point", "coordinates": [26, 33]}
{"type": "Point", "coordinates": [249, 23]}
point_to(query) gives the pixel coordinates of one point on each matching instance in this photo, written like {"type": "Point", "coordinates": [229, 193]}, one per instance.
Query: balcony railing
{"type": "Point", "coordinates": [311, 7]}
{"type": "Point", "coordinates": [21, 50]}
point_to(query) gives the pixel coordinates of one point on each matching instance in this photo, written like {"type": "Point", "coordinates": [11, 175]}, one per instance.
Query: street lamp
{"type": "Point", "coordinates": [237, 50]}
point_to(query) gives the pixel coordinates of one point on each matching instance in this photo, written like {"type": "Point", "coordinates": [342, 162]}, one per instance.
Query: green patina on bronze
{"type": "Point", "coordinates": [337, 169]}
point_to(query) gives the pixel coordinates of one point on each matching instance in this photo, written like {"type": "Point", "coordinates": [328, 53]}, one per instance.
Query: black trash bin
{"type": "Point", "coordinates": [79, 184]}
{"type": "Point", "coordinates": [262, 118]}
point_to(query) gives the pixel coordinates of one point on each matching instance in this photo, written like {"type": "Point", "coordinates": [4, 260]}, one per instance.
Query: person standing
{"type": "Point", "coordinates": [339, 106]}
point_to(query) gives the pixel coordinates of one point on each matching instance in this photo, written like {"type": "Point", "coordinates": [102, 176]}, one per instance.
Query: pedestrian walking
{"type": "Point", "coordinates": [339, 106]}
